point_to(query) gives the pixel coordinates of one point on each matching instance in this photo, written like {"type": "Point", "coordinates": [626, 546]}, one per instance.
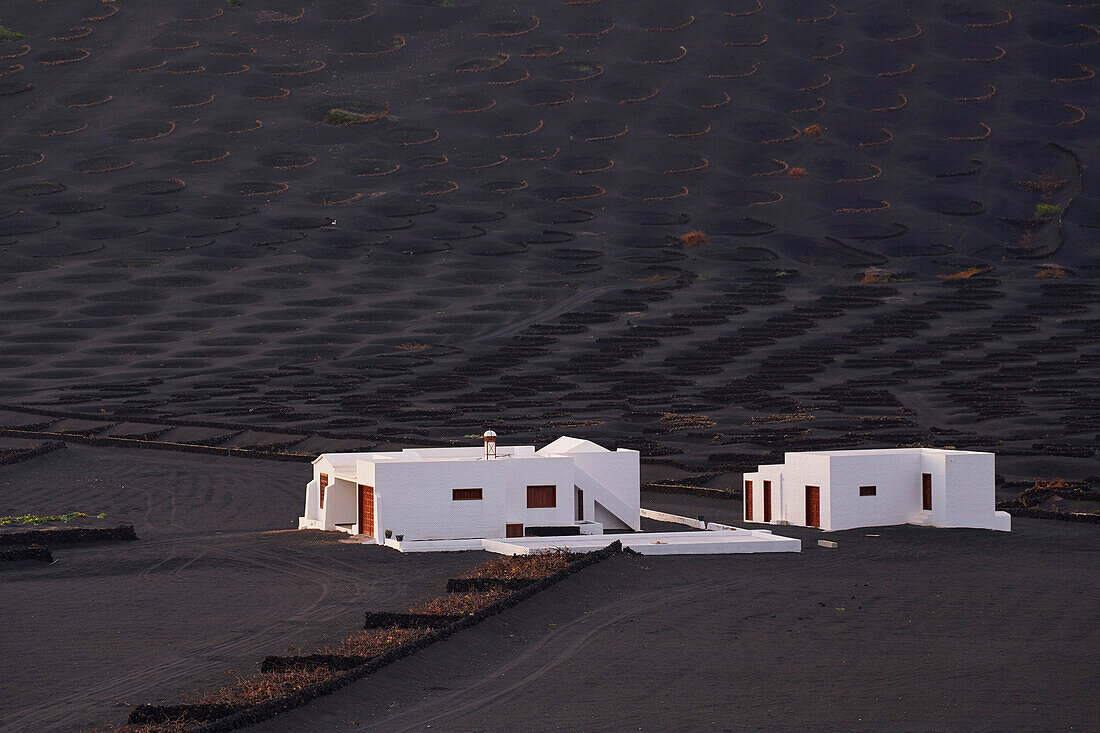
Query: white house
{"type": "Point", "coordinates": [458, 493]}
{"type": "Point", "coordinates": [844, 489]}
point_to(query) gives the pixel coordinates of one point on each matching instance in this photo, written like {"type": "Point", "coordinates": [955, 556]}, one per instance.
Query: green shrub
{"type": "Point", "coordinates": [338, 116]}
{"type": "Point", "coordinates": [233, 3]}
{"type": "Point", "coordinates": [7, 34]}
{"type": "Point", "coordinates": [35, 519]}
{"type": "Point", "coordinates": [1047, 211]}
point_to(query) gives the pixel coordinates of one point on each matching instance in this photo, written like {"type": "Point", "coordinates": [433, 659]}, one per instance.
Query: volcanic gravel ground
{"type": "Point", "coordinates": [206, 589]}
{"type": "Point", "coordinates": [508, 196]}
{"type": "Point", "coordinates": [190, 233]}
{"type": "Point", "coordinates": [899, 628]}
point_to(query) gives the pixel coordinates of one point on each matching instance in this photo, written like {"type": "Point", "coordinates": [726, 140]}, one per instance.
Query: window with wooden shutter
{"type": "Point", "coordinates": [542, 497]}
{"type": "Point", "coordinates": [324, 485]}
{"type": "Point", "coordinates": [465, 494]}
{"type": "Point", "coordinates": [868, 490]}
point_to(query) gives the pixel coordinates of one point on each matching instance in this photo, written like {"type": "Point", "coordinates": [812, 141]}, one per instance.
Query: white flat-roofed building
{"type": "Point", "coordinates": [845, 489]}
{"type": "Point", "coordinates": [476, 492]}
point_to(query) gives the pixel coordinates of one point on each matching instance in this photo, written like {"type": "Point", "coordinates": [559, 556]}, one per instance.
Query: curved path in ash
{"type": "Point", "coordinates": [959, 629]}
{"type": "Point", "coordinates": [572, 302]}
{"type": "Point", "coordinates": [172, 614]}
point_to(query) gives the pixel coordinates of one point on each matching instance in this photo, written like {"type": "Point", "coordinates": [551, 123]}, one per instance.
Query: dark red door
{"type": "Point", "coordinates": [767, 501]}
{"type": "Point", "coordinates": [813, 506]}
{"type": "Point", "coordinates": [513, 530]}
{"type": "Point", "coordinates": [366, 509]}
{"type": "Point", "coordinates": [748, 501]}
{"type": "Point", "coordinates": [580, 505]}
{"type": "Point", "coordinates": [926, 491]}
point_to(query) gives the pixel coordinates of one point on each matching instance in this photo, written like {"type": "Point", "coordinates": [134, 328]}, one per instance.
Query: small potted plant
{"type": "Point", "coordinates": [389, 533]}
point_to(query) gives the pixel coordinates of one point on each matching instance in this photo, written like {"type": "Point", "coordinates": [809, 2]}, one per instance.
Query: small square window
{"type": "Point", "coordinates": [867, 490]}
{"type": "Point", "coordinates": [541, 497]}
{"type": "Point", "coordinates": [465, 494]}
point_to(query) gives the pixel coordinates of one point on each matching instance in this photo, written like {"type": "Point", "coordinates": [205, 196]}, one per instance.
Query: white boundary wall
{"type": "Point", "coordinates": [718, 542]}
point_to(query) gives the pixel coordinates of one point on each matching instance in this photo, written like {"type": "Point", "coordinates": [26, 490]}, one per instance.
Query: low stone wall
{"type": "Point", "coordinates": [407, 620]}
{"type": "Point", "coordinates": [160, 714]}
{"type": "Point", "coordinates": [70, 535]}
{"type": "Point", "coordinates": [26, 552]}
{"type": "Point", "coordinates": [247, 716]}
{"type": "Point", "coordinates": [481, 585]}
{"type": "Point", "coordinates": [337, 662]}
{"type": "Point", "coordinates": [34, 451]}
{"type": "Point", "coordinates": [1047, 514]}
{"type": "Point", "coordinates": [97, 440]}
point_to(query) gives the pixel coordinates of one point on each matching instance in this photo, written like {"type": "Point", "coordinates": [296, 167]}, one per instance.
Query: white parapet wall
{"type": "Point", "coordinates": [705, 542]}
{"type": "Point", "coordinates": [673, 518]}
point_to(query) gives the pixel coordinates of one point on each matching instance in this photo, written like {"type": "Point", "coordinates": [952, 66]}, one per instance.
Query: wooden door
{"type": "Point", "coordinates": [748, 501]}
{"type": "Point", "coordinates": [580, 505]}
{"type": "Point", "coordinates": [926, 491]}
{"type": "Point", "coordinates": [813, 506]}
{"type": "Point", "coordinates": [366, 509]}
{"type": "Point", "coordinates": [767, 501]}
{"type": "Point", "coordinates": [513, 530]}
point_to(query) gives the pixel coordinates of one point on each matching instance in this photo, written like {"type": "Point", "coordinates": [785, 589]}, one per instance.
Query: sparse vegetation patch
{"type": "Point", "coordinates": [693, 238]}
{"type": "Point", "coordinates": [7, 35]}
{"type": "Point", "coordinates": [1052, 272]}
{"type": "Point", "coordinates": [967, 273]}
{"type": "Point", "coordinates": [34, 519]}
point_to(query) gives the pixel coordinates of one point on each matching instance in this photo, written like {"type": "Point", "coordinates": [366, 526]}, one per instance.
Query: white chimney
{"type": "Point", "coordinates": [490, 444]}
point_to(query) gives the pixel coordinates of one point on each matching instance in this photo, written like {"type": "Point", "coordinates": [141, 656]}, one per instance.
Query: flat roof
{"type": "Point", "coordinates": [563, 447]}
{"type": "Point", "coordinates": [419, 455]}
{"type": "Point", "coordinates": [870, 451]}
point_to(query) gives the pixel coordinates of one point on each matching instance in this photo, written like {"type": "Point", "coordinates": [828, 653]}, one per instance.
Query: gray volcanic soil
{"type": "Point", "coordinates": [914, 629]}
{"type": "Point", "coordinates": [505, 253]}
{"type": "Point", "coordinates": [211, 585]}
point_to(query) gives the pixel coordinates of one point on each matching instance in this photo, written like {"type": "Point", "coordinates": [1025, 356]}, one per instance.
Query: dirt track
{"type": "Point", "coordinates": [206, 589]}
{"type": "Point", "coordinates": [917, 629]}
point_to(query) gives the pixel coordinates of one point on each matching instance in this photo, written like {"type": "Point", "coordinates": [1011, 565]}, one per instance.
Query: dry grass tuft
{"type": "Point", "coordinates": [261, 686]}
{"type": "Point", "coordinates": [459, 604]}
{"type": "Point", "coordinates": [1045, 183]}
{"type": "Point", "coordinates": [340, 116]}
{"type": "Point", "coordinates": [967, 273]}
{"type": "Point", "coordinates": [685, 421]}
{"type": "Point", "coordinates": [413, 346]}
{"type": "Point", "coordinates": [373, 642]}
{"type": "Point", "coordinates": [813, 131]}
{"type": "Point", "coordinates": [536, 566]}
{"type": "Point", "coordinates": [874, 275]}
{"type": "Point", "coordinates": [779, 417]}
{"type": "Point", "coordinates": [693, 238]}
{"type": "Point", "coordinates": [1052, 272]}
{"type": "Point", "coordinates": [796, 172]}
